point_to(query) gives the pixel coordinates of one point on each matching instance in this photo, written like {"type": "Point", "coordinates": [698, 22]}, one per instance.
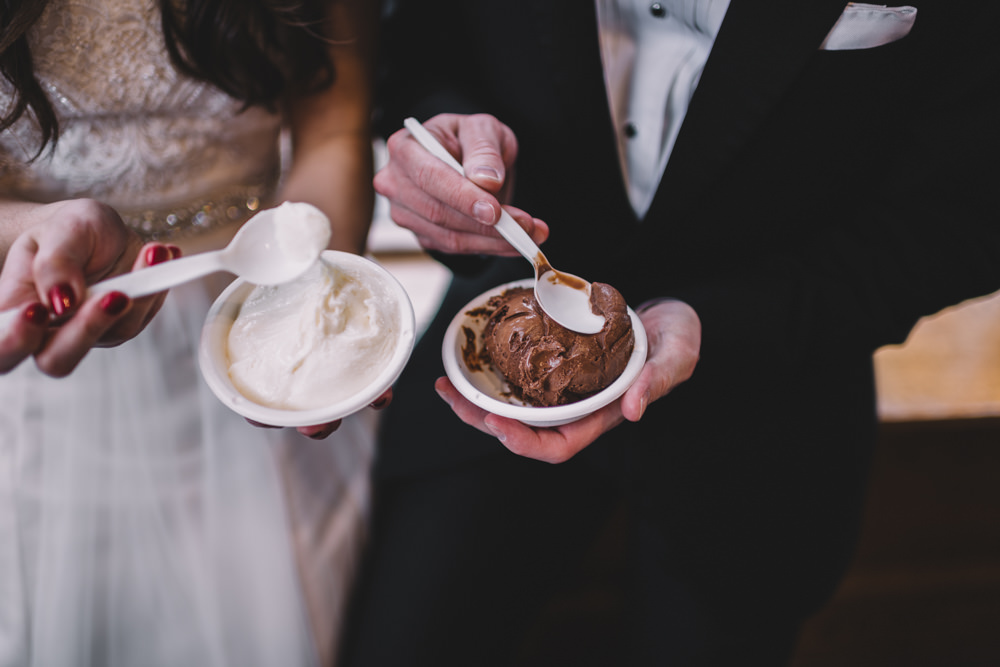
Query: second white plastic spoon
{"type": "Point", "coordinates": [564, 297]}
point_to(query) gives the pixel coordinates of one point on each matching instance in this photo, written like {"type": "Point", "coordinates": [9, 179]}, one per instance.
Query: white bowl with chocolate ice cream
{"type": "Point", "coordinates": [507, 357]}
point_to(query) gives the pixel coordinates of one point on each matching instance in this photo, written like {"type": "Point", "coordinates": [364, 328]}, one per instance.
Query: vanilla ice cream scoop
{"type": "Point", "coordinates": [314, 341]}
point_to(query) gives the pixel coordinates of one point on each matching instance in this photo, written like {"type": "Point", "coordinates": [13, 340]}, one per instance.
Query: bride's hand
{"type": "Point", "coordinates": [65, 247]}
{"type": "Point", "coordinates": [321, 431]}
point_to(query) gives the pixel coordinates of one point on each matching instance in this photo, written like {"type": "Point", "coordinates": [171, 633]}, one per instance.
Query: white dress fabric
{"type": "Point", "coordinates": [141, 522]}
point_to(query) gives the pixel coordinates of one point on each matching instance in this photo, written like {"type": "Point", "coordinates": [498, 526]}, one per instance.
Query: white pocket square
{"type": "Point", "coordinates": [863, 26]}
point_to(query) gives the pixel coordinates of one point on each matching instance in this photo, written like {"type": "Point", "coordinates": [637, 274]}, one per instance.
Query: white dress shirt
{"type": "Point", "coordinates": [653, 54]}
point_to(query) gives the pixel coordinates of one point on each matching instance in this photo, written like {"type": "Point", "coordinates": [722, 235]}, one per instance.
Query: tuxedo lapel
{"type": "Point", "coordinates": [760, 48]}
{"type": "Point", "coordinates": [567, 37]}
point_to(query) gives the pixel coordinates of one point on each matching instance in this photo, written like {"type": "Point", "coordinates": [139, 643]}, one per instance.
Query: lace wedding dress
{"type": "Point", "coordinates": [142, 523]}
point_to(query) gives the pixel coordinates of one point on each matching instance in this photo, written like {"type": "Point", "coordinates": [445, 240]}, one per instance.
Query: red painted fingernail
{"type": "Point", "coordinates": [113, 303]}
{"type": "Point", "coordinates": [157, 254]}
{"type": "Point", "coordinates": [61, 298]}
{"type": "Point", "coordinates": [380, 403]}
{"type": "Point", "coordinates": [37, 314]}
{"type": "Point", "coordinates": [326, 432]}
{"type": "Point", "coordinates": [175, 252]}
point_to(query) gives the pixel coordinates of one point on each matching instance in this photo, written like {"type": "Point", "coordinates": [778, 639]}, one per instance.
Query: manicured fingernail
{"type": "Point", "coordinates": [501, 436]}
{"type": "Point", "coordinates": [326, 432]}
{"type": "Point", "coordinates": [643, 402]}
{"type": "Point", "coordinates": [484, 212]}
{"type": "Point", "coordinates": [380, 403]}
{"type": "Point", "coordinates": [444, 396]}
{"type": "Point", "coordinates": [36, 314]}
{"type": "Point", "coordinates": [61, 298]}
{"type": "Point", "coordinates": [485, 172]}
{"type": "Point", "coordinates": [175, 252]}
{"type": "Point", "coordinates": [113, 303]}
{"type": "Point", "coordinates": [157, 254]}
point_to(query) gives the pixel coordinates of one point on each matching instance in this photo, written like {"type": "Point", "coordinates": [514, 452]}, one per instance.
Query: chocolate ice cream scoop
{"type": "Point", "coordinates": [546, 363]}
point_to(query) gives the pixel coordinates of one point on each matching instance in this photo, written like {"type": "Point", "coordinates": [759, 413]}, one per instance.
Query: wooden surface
{"type": "Point", "coordinates": [948, 368]}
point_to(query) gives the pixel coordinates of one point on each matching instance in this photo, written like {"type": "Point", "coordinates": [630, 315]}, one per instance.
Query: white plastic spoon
{"type": "Point", "coordinates": [563, 296]}
{"type": "Point", "coordinates": [275, 246]}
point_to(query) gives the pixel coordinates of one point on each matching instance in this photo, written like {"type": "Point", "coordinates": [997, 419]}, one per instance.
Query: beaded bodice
{"type": "Point", "coordinates": [174, 155]}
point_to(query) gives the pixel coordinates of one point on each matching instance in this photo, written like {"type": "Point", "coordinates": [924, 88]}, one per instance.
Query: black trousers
{"type": "Point", "coordinates": [462, 559]}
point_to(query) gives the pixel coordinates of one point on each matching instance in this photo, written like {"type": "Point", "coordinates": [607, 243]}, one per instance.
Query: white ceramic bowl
{"type": "Point", "coordinates": [487, 388]}
{"type": "Point", "coordinates": [214, 361]}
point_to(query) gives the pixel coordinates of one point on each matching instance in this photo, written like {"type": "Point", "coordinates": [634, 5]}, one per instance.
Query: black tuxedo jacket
{"type": "Point", "coordinates": [816, 204]}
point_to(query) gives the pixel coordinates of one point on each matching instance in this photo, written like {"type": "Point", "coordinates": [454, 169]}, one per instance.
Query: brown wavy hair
{"type": "Point", "coordinates": [257, 51]}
